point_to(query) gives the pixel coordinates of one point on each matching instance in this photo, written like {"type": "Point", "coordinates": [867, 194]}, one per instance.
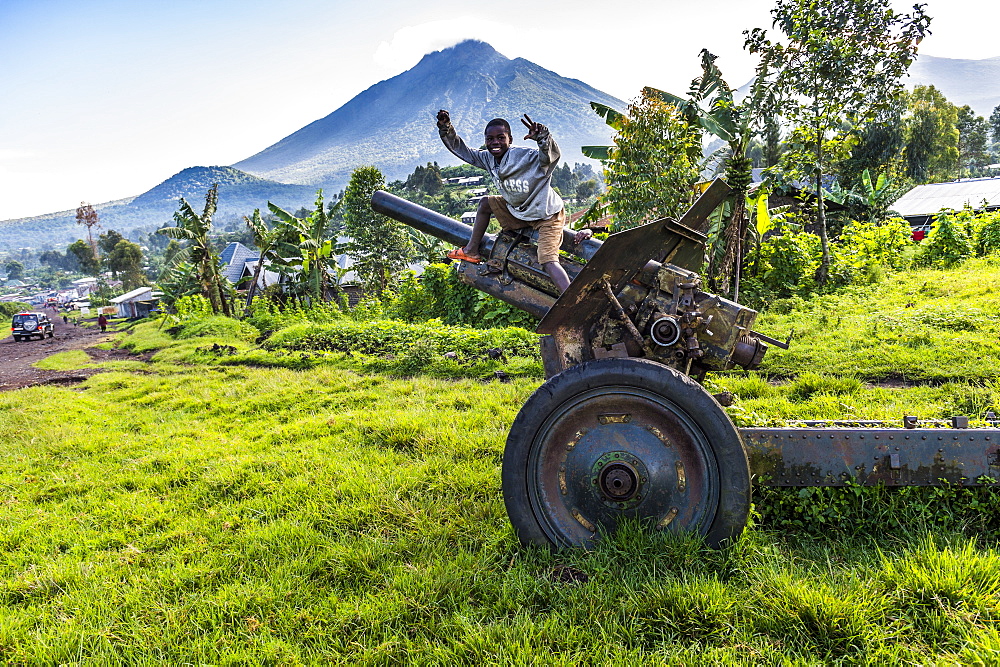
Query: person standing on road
{"type": "Point", "coordinates": [102, 321]}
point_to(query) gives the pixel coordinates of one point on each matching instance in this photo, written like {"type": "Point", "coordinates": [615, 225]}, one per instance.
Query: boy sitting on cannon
{"type": "Point", "coordinates": [523, 176]}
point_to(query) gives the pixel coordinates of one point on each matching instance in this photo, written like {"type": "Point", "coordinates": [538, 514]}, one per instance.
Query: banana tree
{"type": "Point", "coordinates": [178, 280]}
{"type": "Point", "coordinates": [734, 123]}
{"type": "Point", "coordinates": [874, 197]}
{"type": "Point", "coordinates": [267, 240]}
{"type": "Point", "coordinates": [195, 228]}
{"type": "Point", "coordinates": [313, 248]}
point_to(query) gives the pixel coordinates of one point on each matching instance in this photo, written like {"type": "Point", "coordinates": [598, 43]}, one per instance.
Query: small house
{"type": "Point", "coordinates": [140, 302]}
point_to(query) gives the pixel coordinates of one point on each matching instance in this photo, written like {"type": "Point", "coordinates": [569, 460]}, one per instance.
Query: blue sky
{"type": "Point", "coordinates": [104, 99]}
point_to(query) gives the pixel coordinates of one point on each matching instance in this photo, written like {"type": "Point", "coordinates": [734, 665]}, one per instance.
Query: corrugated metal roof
{"type": "Point", "coordinates": [133, 295]}
{"type": "Point", "coordinates": [233, 258]}
{"type": "Point", "coordinates": [929, 199]}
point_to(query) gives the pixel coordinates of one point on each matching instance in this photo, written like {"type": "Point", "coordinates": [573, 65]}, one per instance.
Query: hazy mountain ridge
{"type": "Point", "coordinates": [239, 194]}
{"type": "Point", "coordinates": [391, 124]}
{"type": "Point", "coordinates": [972, 82]}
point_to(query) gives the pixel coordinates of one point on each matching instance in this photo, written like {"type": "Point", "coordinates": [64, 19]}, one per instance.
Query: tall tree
{"type": "Point", "coordinates": [87, 216]}
{"type": "Point", "coordinates": [973, 142]}
{"type": "Point", "coordinates": [266, 241]}
{"type": "Point", "coordinates": [995, 131]}
{"type": "Point", "coordinates": [653, 164]}
{"type": "Point", "coordinates": [125, 262]}
{"type": "Point", "coordinates": [108, 240]}
{"type": "Point", "coordinates": [14, 269]}
{"type": "Point", "coordinates": [85, 257]}
{"type": "Point", "coordinates": [196, 228]}
{"type": "Point", "coordinates": [379, 246]}
{"type": "Point", "coordinates": [931, 151]}
{"type": "Point", "coordinates": [840, 63]}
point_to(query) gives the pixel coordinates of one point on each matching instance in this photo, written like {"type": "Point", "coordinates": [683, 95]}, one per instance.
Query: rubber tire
{"type": "Point", "coordinates": [687, 395]}
{"type": "Point", "coordinates": [51, 333]}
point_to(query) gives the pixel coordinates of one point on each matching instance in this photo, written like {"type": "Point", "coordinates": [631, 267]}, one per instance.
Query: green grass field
{"type": "Point", "coordinates": [193, 511]}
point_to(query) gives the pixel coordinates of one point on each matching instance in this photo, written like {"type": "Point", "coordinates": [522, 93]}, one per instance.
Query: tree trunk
{"type": "Point", "coordinates": [253, 285]}
{"type": "Point", "coordinates": [824, 265]}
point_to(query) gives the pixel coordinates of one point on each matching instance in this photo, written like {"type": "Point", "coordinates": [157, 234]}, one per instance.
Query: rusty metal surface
{"type": "Point", "coordinates": [517, 294]}
{"type": "Point", "coordinates": [620, 258]}
{"type": "Point", "coordinates": [617, 261]}
{"type": "Point", "coordinates": [869, 456]}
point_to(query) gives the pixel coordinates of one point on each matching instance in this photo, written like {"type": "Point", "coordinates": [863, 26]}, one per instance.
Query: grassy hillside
{"type": "Point", "coordinates": [198, 509]}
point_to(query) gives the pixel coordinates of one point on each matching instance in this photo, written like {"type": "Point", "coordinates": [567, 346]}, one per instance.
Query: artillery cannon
{"type": "Point", "coordinates": [621, 429]}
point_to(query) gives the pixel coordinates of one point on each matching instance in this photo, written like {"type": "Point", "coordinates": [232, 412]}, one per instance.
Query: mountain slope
{"type": "Point", "coordinates": [391, 125]}
{"type": "Point", "coordinates": [239, 194]}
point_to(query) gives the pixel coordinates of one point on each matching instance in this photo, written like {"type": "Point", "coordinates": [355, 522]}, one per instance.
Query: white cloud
{"type": "Point", "coordinates": [409, 44]}
{"type": "Point", "coordinates": [15, 154]}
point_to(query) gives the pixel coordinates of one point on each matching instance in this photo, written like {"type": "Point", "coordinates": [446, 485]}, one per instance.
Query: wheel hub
{"type": "Point", "coordinates": [618, 478]}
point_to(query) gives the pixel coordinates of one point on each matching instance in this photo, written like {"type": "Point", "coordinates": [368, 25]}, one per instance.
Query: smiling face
{"type": "Point", "coordinates": [498, 140]}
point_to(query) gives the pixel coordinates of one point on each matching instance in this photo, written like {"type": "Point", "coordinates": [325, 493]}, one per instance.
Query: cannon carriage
{"type": "Point", "coordinates": [622, 430]}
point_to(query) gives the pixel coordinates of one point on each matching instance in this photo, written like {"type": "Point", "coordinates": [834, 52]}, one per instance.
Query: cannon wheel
{"type": "Point", "coordinates": [617, 439]}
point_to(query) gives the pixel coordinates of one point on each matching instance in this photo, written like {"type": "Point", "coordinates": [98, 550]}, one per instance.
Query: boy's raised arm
{"type": "Point", "coordinates": [454, 143]}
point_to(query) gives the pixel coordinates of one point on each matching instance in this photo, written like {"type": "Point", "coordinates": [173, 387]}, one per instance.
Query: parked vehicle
{"type": "Point", "coordinates": [25, 325]}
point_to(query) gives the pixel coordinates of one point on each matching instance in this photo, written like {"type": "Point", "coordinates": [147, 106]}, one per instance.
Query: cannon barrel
{"type": "Point", "coordinates": [455, 232]}
{"type": "Point", "coordinates": [421, 219]}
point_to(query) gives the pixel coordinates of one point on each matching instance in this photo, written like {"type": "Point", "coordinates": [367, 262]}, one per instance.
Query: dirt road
{"type": "Point", "coordinates": [16, 358]}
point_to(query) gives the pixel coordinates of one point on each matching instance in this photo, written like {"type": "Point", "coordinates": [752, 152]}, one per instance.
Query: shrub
{"type": "Point", "coordinates": [217, 326]}
{"type": "Point", "coordinates": [950, 240]}
{"type": "Point", "coordinates": [865, 249]}
{"type": "Point", "coordinates": [269, 315]}
{"type": "Point", "coordinates": [11, 308]}
{"type": "Point", "coordinates": [390, 337]}
{"type": "Point", "coordinates": [439, 294]}
{"type": "Point", "coordinates": [988, 233]}
{"type": "Point", "coordinates": [192, 307]}
{"type": "Point", "coordinates": [785, 265]}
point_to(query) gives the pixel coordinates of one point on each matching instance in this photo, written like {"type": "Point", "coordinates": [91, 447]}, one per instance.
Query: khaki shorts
{"type": "Point", "coordinates": [550, 230]}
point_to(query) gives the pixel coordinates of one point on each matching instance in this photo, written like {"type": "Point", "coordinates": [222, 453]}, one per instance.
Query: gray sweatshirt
{"type": "Point", "coordinates": [523, 175]}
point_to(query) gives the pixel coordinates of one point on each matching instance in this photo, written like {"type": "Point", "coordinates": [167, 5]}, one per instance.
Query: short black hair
{"type": "Point", "coordinates": [502, 123]}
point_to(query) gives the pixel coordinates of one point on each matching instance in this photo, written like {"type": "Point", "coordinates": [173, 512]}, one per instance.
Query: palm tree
{"type": "Point", "coordinates": [307, 247]}
{"type": "Point", "coordinates": [267, 242]}
{"type": "Point", "coordinates": [195, 229]}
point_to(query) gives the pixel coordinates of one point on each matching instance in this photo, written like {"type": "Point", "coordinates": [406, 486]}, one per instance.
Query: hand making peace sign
{"type": "Point", "coordinates": [534, 129]}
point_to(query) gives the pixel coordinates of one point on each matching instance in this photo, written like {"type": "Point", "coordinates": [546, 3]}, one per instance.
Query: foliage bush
{"type": "Point", "coordinates": [192, 307]}
{"type": "Point", "coordinates": [217, 326]}
{"type": "Point", "coordinates": [864, 249]}
{"type": "Point", "coordinates": [268, 315]}
{"type": "Point", "coordinates": [950, 241]}
{"type": "Point", "coordinates": [783, 265]}
{"type": "Point", "coordinates": [11, 308]}
{"type": "Point", "coordinates": [988, 233]}
{"type": "Point", "coordinates": [439, 294]}
{"type": "Point", "coordinates": [392, 337]}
